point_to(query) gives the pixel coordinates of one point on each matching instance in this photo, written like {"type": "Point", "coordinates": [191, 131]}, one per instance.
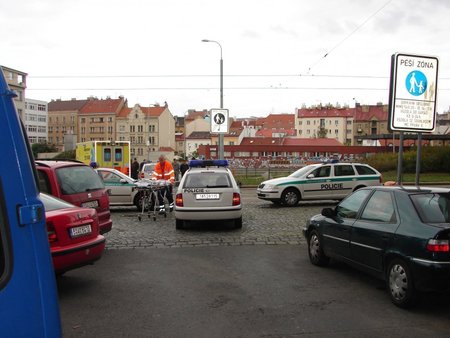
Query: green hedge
{"type": "Point", "coordinates": [433, 160]}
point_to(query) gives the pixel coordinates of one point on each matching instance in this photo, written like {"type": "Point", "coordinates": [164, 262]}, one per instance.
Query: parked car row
{"type": "Point", "coordinates": [398, 234]}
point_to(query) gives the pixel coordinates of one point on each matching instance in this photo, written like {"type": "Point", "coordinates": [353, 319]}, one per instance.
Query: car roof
{"type": "Point", "coordinates": [412, 189]}
{"type": "Point", "coordinates": [59, 163]}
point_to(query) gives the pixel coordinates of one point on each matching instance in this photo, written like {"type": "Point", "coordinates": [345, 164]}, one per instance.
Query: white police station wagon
{"type": "Point", "coordinates": [208, 191]}
{"type": "Point", "coordinates": [324, 181]}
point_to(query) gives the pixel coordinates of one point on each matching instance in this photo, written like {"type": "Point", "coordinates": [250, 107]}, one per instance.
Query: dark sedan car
{"type": "Point", "coordinates": [398, 234]}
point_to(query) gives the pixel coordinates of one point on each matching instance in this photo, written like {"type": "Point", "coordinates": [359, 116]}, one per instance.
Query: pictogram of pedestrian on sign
{"type": "Point", "coordinates": [416, 83]}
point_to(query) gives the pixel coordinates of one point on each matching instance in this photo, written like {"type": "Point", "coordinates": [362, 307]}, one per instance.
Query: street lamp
{"type": "Point", "coordinates": [221, 139]}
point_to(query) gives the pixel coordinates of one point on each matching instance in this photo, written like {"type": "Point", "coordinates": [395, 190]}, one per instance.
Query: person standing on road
{"type": "Point", "coordinates": [164, 171]}
{"type": "Point", "coordinates": [183, 167]}
{"type": "Point", "coordinates": [135, 169]}
{"type": "Point", "coordinates": [176, 168]}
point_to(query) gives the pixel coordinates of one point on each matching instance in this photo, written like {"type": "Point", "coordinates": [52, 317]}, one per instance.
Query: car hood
{"type": "Point", "coordinates": [280, 180]}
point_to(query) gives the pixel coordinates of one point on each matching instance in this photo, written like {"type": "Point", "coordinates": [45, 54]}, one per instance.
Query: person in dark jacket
{"type": "Point", "coordinates": [135, 169]}
{"type": "Point", "coordinates": [183, 167]}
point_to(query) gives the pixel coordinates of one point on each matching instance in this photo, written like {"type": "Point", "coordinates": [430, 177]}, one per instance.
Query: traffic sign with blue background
{"type": "Point", "coordinates": [412, 105]}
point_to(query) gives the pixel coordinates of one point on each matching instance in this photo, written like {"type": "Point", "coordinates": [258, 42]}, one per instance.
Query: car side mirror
{"type": "Point", "coordinates": [310, 176]}
{"type": "Point", "coordinates": [328, 212]}
{"type": "Point", "coordinates": [123, 181]}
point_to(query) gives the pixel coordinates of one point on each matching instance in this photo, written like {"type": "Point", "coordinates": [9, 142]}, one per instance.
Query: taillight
{"type": "Point", "coordinates": [179, 200]}
{"type": "Point", "coordinates": [52, 237]}
{"type": "Point", "coordinates": [437, 245]}
{"type": "Point", "coordinates": [236, 198]}
{"type": "Point", "coordinates": [142, 175]}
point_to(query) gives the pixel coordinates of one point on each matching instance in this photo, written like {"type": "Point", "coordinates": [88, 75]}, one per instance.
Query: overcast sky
{"type": "Point", "coordinates": [273, 50]}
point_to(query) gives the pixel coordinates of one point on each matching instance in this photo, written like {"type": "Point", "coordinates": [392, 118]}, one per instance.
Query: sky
{"type": "Point", "coordinates": [278, 55]}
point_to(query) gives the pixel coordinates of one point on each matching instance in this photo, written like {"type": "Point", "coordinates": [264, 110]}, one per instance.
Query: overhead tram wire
{"type": "Point", "coordinates": [349, 35]}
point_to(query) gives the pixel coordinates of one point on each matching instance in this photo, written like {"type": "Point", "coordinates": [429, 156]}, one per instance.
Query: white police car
{"type": "Point", "coordinates": [325, 181]}
{"type": "Point", "coordinates": [208, 191]}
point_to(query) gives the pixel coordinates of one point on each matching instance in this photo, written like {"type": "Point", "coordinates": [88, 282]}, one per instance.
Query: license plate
{"type": "Point", "coordinates": [80, 231]}
{"type": "Point", "coordinates": [90, 204]}
{"type": "Point", "coordinates": [207, 196]}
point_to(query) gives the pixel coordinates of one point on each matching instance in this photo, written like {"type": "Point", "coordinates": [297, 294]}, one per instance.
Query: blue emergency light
{"type": "Point", "coordinates": [207, 163]}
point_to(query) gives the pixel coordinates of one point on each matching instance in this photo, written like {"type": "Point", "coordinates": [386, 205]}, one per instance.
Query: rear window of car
{"type": "Point", "coordinates": [78, 179]}
{"type": "Point", "coordinates": [432, 207]}
{"type": "Point", "coordinates": [208, 180]}
{"type": "Point", "coordinates": [52, 203]}
{"type": "Point", "coordinates": [364, 170]}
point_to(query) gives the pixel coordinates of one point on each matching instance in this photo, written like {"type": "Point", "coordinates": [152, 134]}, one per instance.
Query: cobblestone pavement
{"type": "Point", "coordinates": [263, 224]}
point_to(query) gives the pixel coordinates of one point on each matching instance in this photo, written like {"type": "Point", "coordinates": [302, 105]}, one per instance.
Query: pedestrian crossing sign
{"type": "Point", "coordinates": [412, 100]}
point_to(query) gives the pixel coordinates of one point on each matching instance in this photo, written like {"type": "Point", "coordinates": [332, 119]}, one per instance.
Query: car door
{"type": "Point", "coordinates": [336, 231]}
{"type": "Point", "coordinates": [374, 230]}
{"type": "Point", "coordinates": [318, 184]}
{"type": "Point", "coordinates": [344, 180]}
{"type": "Point", "coordinates": [120, 189]}
{"type": "Point", "coordinates": [28, 294]}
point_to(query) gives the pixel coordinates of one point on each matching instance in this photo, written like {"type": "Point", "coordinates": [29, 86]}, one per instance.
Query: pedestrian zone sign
{"type": "Point", "coordinates": [412, 103]}
{"type": "Point", "coordinates": [219, 121]}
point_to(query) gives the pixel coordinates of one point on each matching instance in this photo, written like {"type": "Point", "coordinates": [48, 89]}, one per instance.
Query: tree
{"type": "Point", "coordinates": [322, 132]}
{"type": "Point", "coordinates": [43, 148]}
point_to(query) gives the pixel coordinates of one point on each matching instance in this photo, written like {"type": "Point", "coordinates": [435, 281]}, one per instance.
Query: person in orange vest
{"type": "Point", "coordinates": [164, 171]}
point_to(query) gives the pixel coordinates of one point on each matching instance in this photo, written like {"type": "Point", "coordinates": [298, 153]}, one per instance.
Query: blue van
{"type": "Point", "coordinates": [28, 295]}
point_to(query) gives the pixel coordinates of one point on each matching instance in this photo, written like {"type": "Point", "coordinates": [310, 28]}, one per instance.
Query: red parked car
{"type": "Point", "coordinates": [73, 234]}
{"type": "Point", "coordinates": [76, 183]}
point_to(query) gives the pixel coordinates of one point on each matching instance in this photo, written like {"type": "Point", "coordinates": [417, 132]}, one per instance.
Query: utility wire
{"type": "Point", "coordinates": [349, 35]}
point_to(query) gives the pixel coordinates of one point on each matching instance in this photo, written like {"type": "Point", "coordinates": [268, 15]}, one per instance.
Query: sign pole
{"type": "Point", "coordinates": [400, 160]}
{"type": "Point", "coordinates": [418, 157]}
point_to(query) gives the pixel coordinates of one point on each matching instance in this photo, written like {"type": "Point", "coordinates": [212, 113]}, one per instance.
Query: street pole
{"type": "Point", "coordinates": [221, 136]}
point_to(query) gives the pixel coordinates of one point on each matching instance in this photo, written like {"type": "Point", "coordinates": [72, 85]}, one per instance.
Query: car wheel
{"type": "Point", "coordinates": [238, 223]}
{"type": "Point", "coordinates": [290, 197]}
{"type": "Point", "coordinates": [179, 224]}
{"type": "Point", "coordinates": [138, 201]}
{"type": "Point", "coordinates": [400, 283]}
{"type": "Point", "coordinates": [315, 250]}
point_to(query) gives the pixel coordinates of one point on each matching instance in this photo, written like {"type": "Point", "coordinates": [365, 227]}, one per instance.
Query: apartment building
{"type": "Point", "coordinates": [150, 130]}
{"type": "Point", "coordinates": [369, 120]}
{"type": "Point", "coordinates": [97, 119]}
{"type": "Point", "coordinates": [17, 81]}
{"type": "Point", "coordinates": [325, 122]}
{"type": "Point", "coordinates": [63, 121]}
{"type": "Point", "coordinates": [36, 121]}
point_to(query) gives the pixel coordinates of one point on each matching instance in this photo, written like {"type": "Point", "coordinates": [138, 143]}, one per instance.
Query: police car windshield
{"type": "Point", "coordinates": [302, 171]}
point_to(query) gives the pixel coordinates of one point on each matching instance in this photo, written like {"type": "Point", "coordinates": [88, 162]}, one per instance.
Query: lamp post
{"type": "Point", "coordinates": [220, 138]}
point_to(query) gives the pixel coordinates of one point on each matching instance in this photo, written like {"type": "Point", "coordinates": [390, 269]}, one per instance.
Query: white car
{"type": "Point", "coordinates": [147, 170]}
{"type": "Point", "coordinates": [325, 181]}
{"type": "Point", "coordinates": [208, 191]}
{"type": "Point", "coordinates": [121, 188]}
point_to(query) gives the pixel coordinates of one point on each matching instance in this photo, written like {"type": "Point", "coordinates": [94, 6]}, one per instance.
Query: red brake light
{"type": "Point", "coordinates": [179, 200]}
{"type": "Point", "coordinates": [52, 237]}
{"type": "Point", "coordinates": [236, 198]}
{"type": "Point", "coordinates": [436, 245]}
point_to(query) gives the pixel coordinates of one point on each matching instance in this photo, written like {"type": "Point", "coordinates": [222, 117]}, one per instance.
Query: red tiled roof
{"type": "Point", "coordinates": [166, 149]}
{"type": "Point", "coordinates": [179, 137]}
{"type": "Point", "coordinates": [369, 113]}
{"type": "Point", "coordinates": [192, 115]}
{"type": "Point", "coordinates": [69, 105]}
{"type": "Point", "coordinates": [199, 135]}
{"type": "Point", "coordinates": [278, 121]}
{"type": "Point", "coordinates": [124, 112]}
{"type": "Point", "coordinates": [261, 141]}
{"type": "Point", "coordinates": [153, 111]}
{"type": "Point", "coordinates": [108, 106]}
{"type": "Point", "coordinates": [311, 142]}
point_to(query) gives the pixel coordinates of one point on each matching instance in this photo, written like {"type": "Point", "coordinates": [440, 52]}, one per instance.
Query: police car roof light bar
{"type": "Point", "coordinates": [207, 163]}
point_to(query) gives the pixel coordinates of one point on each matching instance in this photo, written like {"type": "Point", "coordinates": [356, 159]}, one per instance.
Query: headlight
{"type": "Point", "coordinates": [270, 187]}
